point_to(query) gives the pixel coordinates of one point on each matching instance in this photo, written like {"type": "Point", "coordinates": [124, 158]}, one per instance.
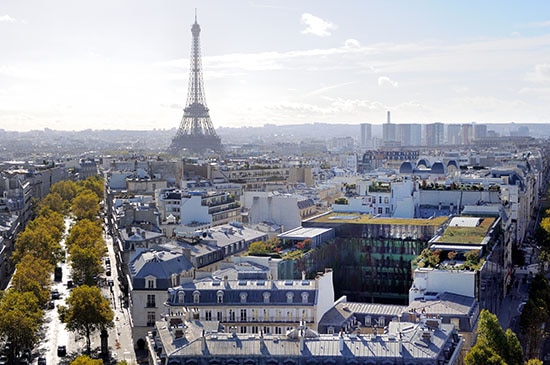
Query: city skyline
{"type": "Point", "coordinates": [125, 65]}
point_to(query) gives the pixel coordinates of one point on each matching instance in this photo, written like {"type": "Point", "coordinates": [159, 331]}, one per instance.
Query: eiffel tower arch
{"type": "Point", "coordinates": [196, 132]}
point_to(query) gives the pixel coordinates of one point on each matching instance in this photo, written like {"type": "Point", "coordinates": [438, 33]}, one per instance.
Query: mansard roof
{"type": "Point", "coordinates": [280, 292]}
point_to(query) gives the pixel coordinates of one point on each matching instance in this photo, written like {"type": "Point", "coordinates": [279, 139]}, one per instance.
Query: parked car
{"type": "Point", "coordinates": [61, 350]}
{"type": "Point", "coordinates": [55, 294]}
{"type": "Point", "coordinates": [41, 360]}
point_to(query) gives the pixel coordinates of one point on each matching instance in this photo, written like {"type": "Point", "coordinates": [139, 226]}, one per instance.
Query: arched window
{"type": "Point", "coordinates": [181, 296]}
{"type": "Point", "coordinates": [267, 295]}
{"type": "Point", "coordinates": [219, 295]}
{"type": "Point", "coordinates": [304, 297]}
{"type": "Point", "coordinates": [289, 297]}
{"type": "Point", "coordinates": [196, 296]}
{"type": "Point", "coordinates": [243, 297]}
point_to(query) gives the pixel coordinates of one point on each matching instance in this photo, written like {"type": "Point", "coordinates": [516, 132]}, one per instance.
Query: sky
{"type": "Point", "coordinates": [124, 64]}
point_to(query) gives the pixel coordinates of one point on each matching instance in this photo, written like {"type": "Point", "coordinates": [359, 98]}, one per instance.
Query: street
{"type": "Point", "coordinates": [54, 333]}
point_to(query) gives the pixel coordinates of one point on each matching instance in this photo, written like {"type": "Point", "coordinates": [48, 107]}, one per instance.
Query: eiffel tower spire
{"type": "Point", "coordinates": [196, 132]}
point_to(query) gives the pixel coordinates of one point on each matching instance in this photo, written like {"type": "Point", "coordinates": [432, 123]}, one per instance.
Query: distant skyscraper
{"type": "Point", "coordinates": [453, 134]}
{"type": "Point", "coordinates": [196, 132]}
{"type": "Point", "coordinates": [480, 131]}
{"type": "Point", "coordinates": [467, 133]}
{"type": "Point", "coordinates": [366, 135]}
{"type": "Point", "coordinates": [410, 134]}
{"type": "Point", "coordinates": [389, 132]}
{"type": "Point", "coordinates": [435, 134]}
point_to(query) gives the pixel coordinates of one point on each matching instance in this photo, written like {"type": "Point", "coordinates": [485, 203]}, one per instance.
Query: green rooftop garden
{"type": "Point", "coordinates": [467, 235]}
{"type": "Point", "coordinates": [358, 218]}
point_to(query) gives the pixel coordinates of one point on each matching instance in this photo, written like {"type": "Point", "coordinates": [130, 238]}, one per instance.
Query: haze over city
{"type": "Point", "coordinates": [69, 65]}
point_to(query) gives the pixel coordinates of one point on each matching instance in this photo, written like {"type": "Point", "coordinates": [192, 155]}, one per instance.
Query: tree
{"type": "Point", "coordinates": [38, 242]}
{"type": "Point", "coordinates": [66, 189]}
{"type": "Point", "coordinates": [33, 275]}
{"type": "Point", "coordinates": [534, 362]}
{"type": "Point", "coordinates": [93, 183]}
{"type": "Point", "coordinates": [20, 319]}
{"type": "Point", "coordinates": [483, 355]}
{"type": "Point", "coordinates": [87, 311]}
{"type": "Point", "coordinates": [86, 264]}
{"type": "Point", "coordinates": [53, 201]}
{"type": "Point", "coordinates": [493, 343]}
{"type": "Point", "coordinates": [85, 233]}
{"type": "Point", "coordinates": [258, 248]}
{"type": "Point", "coordinates": [85, 205]}
{"type": "Point", "coordinates": [86, 360]}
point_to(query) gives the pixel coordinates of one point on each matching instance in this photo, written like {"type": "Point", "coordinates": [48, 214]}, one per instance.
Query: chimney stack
{"type": "Point", "coordinates": [388, 117]}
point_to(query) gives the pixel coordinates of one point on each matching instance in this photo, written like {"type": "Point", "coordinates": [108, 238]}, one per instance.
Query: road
{"type": "Point", "coordinates": [54, 333]}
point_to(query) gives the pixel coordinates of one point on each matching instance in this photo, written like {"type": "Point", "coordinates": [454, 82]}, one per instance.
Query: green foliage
{"type": "Point", "coordinates": [66, 189]}
{"type": "Point", "coordinates": [494, 345]}
{"type": "Point", "coordinates": [87, 311]}
{"type": "Point", "coordinates": [39, 241]}
{"type": "Point", "coordinates": [33, 275]}
{"type": "Point", "coordinates": [341, 201]}
{"type": "Point", "coordinates": [85, 205]}
{"type": "Point", "coordinates": [428, 258]}
{"type": "Point", "coordinates": [86, 360]}
{"type": "Point", "coordinates": [20, 319]}
{"type": "Point", "coordinates": [259, 248]}
{"type": "Point", "coordinates": [93, 183]}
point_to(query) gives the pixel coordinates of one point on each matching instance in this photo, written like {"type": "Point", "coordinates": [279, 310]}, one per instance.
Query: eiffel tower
{"type": "Point", "coordinates": [196, 132]}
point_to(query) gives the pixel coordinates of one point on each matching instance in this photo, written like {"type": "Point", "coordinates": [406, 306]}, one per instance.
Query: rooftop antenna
{"type": "Point", "coordinates": [195, 15]}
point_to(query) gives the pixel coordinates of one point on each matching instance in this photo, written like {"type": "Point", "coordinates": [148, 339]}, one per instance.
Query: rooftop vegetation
{"type": "Point", "coordinates": [369, 219]}
{"type": "Point", "coordinates": [467, 235]}
{"type": "Point", "coordinates": [449, 259]}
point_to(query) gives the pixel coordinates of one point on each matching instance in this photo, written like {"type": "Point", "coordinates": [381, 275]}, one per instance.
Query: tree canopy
{"type": "Point", "coordinates": [87, 311]}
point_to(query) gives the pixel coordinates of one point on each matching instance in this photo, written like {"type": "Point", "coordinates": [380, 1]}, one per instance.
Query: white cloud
{"type": "Point", "coordinates": [541, 73]}
{"type": "Point", "coordinates": [7, 19]}
{"type": "Point", "coordinates": [386, 82]}
{"type": "Point", "coordinates": [352, 43]}
{"type": "Point", "coordinates": [543, 24]}
{"type": "Point", "coordinates": [316, 25]}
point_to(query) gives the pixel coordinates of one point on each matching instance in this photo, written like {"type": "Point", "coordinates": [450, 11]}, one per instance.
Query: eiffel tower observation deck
{"type": "Point", "coordinates": [196, 132]}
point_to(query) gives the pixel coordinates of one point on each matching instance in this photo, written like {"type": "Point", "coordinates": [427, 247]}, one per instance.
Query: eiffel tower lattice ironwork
{"type": "Point", "coordinates": [196, 132]}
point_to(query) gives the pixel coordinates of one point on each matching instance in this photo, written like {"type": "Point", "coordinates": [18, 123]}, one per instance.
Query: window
{"type": "Point", "coordinates": [267, 295]}
{"type": "Point", "coordinates": [367, 321]}
{"type": "Point", "coordinates": [231, 315]}
{"type": "Point", "coordinates": [254, 329]}
{"type": "Point", "coordinates": [289, 297]}
{"type": "Point", "coordinates": [208, 315]}
{"type": "Point", "coordinates": [196, 296]}
{"type": "Point", "coordinates": [220, 296]}
{"type": "Point", "coordinates": [243, 297]}
{"type": "Point", "coordinates": [278, 330]}
{"type": "Point", "coordinates": [151, 318]}
{"type": "Point", "coordinates": [150, 283]}
{"type": "Point", "coordinates": [151, 301]}
{"type": "Point", "coordinates": [220, 316]}
{"type": "Point", "coordinates": [380, 200]}
{"type": "Point", "coordinates": [181, 297]}
{"type": "Point", "coordinates": [387, 210]}
{"type": "Point", "coordinates": [381, 322]}
{"type": "Point", "coordinates": [243, 329]}
{"type": "Point", "coordinates": [386, 200]}
{"type": "Point", "coordinates": [243, 315]}
{"type": "Point", "coordinates": [267, 330]}
{"type": "Point", "coordinates": [304, 297]}
{"type": "Point", "coordinates": [379, 210]}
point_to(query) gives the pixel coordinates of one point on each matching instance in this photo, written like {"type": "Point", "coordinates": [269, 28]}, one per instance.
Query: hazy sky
{"type": "Point", "coordinates": [124, 64]}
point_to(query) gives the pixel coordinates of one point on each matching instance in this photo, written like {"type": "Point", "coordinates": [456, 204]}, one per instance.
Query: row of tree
{"type": "Point", "coordinates": [38, 250]}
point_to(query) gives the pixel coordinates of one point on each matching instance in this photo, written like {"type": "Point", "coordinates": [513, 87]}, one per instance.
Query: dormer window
{"type": "Point", "coordinates": [243, 297]}
{"type": "Point", "coordinates": [267, 295]}
{"type": "Point", "coordinates": [196, 296]}
{"type": "Point", "coordinates": [151, 282]}
{"type": "Point", "coordinates": [304, 297]}
{"type": "Point", "coordinates": [219, 295]}
{"type": "Point", "coordinates": [181, 296]}
{"type": "Point", "coordinates": [289, 297]}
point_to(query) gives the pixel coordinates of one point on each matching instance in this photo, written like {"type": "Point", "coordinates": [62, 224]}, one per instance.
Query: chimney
{"type": "Point", "coordinates": [303, 275]}
{"type": "Point", "coordinates": [388, 117]}
{"type": "Point", "coordinates": [203, 342]}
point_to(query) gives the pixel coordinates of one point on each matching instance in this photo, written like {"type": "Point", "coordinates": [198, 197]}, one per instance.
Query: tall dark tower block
{"type": "Point", "coordinates": [196, 132]}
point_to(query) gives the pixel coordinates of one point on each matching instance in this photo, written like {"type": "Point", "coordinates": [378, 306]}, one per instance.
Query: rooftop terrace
{"type": "Point", "coordinates": [357, 218]}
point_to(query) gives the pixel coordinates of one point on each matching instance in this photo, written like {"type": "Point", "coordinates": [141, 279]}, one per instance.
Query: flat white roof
{"type": "Point", "coordinates": [464, 222]}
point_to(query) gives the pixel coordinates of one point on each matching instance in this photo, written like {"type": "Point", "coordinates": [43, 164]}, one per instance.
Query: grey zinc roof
{"type": "Point", "coordinates": [338, 314]}
{"type": "Point", "coordinates": [412, 346]}
{"type": "Point", "coordinates": [159, 263]}
{"type": "Point", "coordinates": [447, 304]}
